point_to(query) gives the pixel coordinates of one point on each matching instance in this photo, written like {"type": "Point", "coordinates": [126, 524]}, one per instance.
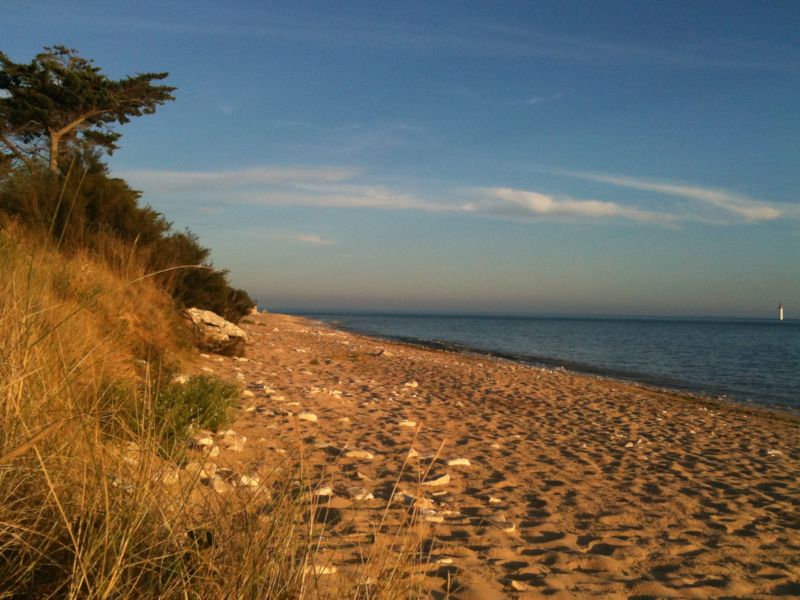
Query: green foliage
{"type": "Point", "coordinates": [202, 402]}
{"type": "Point", "coordinates": [60, 99]}
{"type": "Point", "coordinates": [81, 204]}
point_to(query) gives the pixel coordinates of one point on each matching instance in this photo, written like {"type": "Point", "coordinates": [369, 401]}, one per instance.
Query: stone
{"type": "Point", "coordinates": [407, 423]}
{"type": "Point", "coordinates": [248, 394]}
{"type": "Point", "coordinates": [442, 480]}
{"type": "Point", "coordinates": [251, 481]}
{"type": "Point", "coordinates": [320, 569]}
{"type": "Point", "coordinates": [360, 493]}
{"type": "Point", "coordinates": [361, 454]}
{"type": "Point", "coordinates": [444, 560]}
{"type": "Point", "coordinates": [412, 384]}
{"type": "Point", "coordinates": [307, 416]}
{"type": "Point", "coordinates": [214, 334]}
{"type": "Point", "coordinates": [458, 462]}
{"type": "Point", "coordinates": [221, 486]}
{"type": "Point", "coordinates": [325, 490]}
{"type": "Point", "coordinates": [344, 419]}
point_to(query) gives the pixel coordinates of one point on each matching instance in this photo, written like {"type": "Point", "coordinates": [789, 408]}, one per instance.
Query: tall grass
{"type": "Point", "coordinates": [93, 500]}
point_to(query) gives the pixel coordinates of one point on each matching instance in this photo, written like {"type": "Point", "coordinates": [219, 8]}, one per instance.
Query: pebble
{"type": "Point", "coordinates": [203, 441]}
{"type": "Point", "coordinates": [359, 454]}
{"type": "Point", "coordinates": [412, 384]}
{"type": "Point", "coordinates": [248, 394]}
{"type": "Point", "coordinates": [407, 423]}
{"type": "Point", "coordinates": [444, 560]}
{"type": "Point", "coordinates": [307, 416]}
{"type": "Point", "coordinates": [345, 419]}
{"type": "Point", "coordinates": [458, 462]}
{"type": "Point", "coordinates": [250, 481]}
{"type": "Point", "coordinates": [443, 480]}
{"type": "Point", "coordinates": [325, 490]}
{"type": "Point", "coordinates": [360, 493]}
{"type": "Point", "coordinates": [320, 569]}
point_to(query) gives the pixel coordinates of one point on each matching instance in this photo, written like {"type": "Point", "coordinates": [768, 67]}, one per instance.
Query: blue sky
{"type": "Point", "coordinates": [528, 157]}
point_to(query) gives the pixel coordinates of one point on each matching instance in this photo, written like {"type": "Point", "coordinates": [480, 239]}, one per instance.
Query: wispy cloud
{"type": "Point", "coordinates": [529, 205]}
{"type": "Point", "coordinates": [349, 188]}
{"type": "Point", "coordinates": [313, 239]}
{"type": "Point", "coordinates": [743, 207]}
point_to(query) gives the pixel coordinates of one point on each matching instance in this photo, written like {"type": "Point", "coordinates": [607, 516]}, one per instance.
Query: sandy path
{"type": "Point", "coordinates": [576, 486]}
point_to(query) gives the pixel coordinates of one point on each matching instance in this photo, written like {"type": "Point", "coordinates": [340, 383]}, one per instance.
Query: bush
{"type": "Point", "coordinates": [88, 209]}
{"type": "Point", "coordinates": [203, 402]}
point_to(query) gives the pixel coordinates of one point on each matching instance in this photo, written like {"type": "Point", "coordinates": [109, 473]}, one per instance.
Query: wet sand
{"type": "Point", "coordinates": [558, 485]}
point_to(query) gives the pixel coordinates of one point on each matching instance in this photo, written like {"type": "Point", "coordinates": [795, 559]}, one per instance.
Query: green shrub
{"type": "Point", "coordinates": [203, 402]}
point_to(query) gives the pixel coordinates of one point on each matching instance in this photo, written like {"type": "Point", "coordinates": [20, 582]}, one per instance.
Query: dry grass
{"type": "Point", "coordinates": [90, 504]}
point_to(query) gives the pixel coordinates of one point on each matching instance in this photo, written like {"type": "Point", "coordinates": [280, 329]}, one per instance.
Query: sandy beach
{"type": "Point", "coordinates": [520, 481]}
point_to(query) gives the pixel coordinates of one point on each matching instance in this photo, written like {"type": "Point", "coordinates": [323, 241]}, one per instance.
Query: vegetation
{"type": "Point", "coordinates": [56, 117]}
{"type": "Point", "coordinates": [61, 100]}
{"type": "Point", "coordinates": [97, 497]}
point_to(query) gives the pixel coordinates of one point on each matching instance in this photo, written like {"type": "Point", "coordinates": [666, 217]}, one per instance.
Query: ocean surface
{"type": "Point", "coordinates": [756, 361]}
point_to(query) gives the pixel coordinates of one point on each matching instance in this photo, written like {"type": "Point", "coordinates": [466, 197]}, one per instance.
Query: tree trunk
{"type": "Point", "coordinates": [55, 138]}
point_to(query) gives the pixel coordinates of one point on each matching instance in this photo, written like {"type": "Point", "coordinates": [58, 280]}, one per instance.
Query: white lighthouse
{"type": "Point", "coordinates": [780, 312]}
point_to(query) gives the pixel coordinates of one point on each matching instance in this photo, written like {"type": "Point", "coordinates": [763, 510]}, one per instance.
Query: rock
{"type": "Point", "coordinates": [345, 419]}
{"type": "Point", "coordinates": [220, 486]}
{"type": "Point", "coordinates": [213, 452]}
{"type": "Point", "coordinates": [215, 334]}
{"type": "Point", "coordinates": [250, 481]}
{"type": "Point", "coordinates": [360, 493]}
{"type": "Point", "coordinates": [520, 586]}
{"type": "Point", "coordinates": [407, 423]}
{"type": "Point", "coordinates": [458, 462]}
{"type": "Point", "coordinates": [320, 569]}
{"type": "Point", "coordinates": [493, 500]}
{"type": "Point", "coordinates": [444, 560]}
{"type": "Point", "coordinates": [412, 453]}
{"type": "Point", "coordinates": [181, 379]}
{"type": "Point", "coordinates": [248, 394]}
{"type": "Point", "coordinates": [412, 384]}
{"type": "Point", "coordinates": [307, 416]}
{"type": "Point", "coordinates": [443, 480]}
{"type": "Point", "coordinates": [361, 454]}
{"type": "Point", "coordinates": [201, 442]}
{"type": "Point", "coordinates": [503, 524]}
{"type": "Point", "coordinates": [325, 490]}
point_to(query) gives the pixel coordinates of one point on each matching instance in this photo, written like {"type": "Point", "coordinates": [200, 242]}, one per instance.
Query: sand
{"type": "Point", "coordinates": [559, 485]}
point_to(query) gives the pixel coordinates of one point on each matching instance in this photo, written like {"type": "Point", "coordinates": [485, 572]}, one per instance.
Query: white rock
{"type": "Point", "coordinates": [248, 394]}
{"type": "Point", "coordinates": [325, 490]}
{"type": "Point", "coordinates": [493, 500]}
{"type": "Point", "coordinates": [458, 462]}
{"type": "Point", "coordinates": [214, 451]}
{"type": "Point", "coordinates": [629, 445]}
{"type": "Point", "coordinates": [220, 486]}
{"type": "Point", "coordinates": [345, 419]}
{"type": "Point", "coordinates": [356, 453]}
{"type": "Point", "coordinates": [407, 423]}
{"type": "Point", "coordinates": [203, 441]}
{"type": "Point", "coordinates": [444, 560]}
{"type": "Point", "coordinates": [250, 481]}
{"type": "Point", "coordinates": [412, 384]}
{"type": "Point", "coordinates": [360, 493]}
{"type": "Point", "coordinates": [320, 569]}
{"type": "Point", "coordinates": [443, 480]}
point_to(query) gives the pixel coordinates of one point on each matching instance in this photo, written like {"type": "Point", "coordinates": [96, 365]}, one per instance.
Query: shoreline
{"type": "Point", "coordinates": [517, 481]}
{"type": "Point", "coordinates": [780, 410]}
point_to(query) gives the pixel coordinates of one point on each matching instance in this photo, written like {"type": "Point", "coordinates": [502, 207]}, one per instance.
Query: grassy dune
{"type": "Point", "coordinates": [95, 501]}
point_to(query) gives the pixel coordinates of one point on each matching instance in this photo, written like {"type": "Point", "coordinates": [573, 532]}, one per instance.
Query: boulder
{"type": "Point", "coordinates": [215, 334]}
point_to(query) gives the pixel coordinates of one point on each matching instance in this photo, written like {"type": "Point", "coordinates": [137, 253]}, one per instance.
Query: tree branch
{"type": "Point", "coordinates": [16, 151]}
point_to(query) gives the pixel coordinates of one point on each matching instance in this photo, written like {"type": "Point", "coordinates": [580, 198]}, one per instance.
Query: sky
{"type": "Point", "coordinates": [614, 158]}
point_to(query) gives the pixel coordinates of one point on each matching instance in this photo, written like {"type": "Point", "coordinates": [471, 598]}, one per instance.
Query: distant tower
{"type": "Point", "coordinates": [780, 312]}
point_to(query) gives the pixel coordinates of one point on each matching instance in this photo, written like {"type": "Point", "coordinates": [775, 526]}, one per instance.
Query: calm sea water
{"type": "Point", "coordinates": [745, 360]}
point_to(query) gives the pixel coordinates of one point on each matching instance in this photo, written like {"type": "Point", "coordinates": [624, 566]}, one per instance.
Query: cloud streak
{"type": "Point", "coordinates": [534, 205]}
{"type": "Point", "coordinates": [743, 207]}
{"type": "Point", "coordinates": [339, 187]}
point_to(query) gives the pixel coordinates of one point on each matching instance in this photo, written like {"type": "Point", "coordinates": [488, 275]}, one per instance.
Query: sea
{"type": "Point", "coordinates": [743, 360]}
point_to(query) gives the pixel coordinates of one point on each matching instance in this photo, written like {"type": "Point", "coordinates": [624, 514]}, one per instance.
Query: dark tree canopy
{"type": "Point", "coordinates": [60, 99]}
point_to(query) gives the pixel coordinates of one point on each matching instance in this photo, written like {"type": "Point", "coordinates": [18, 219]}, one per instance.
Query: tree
{"type": "Point", "coordinates": [60, 99]}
